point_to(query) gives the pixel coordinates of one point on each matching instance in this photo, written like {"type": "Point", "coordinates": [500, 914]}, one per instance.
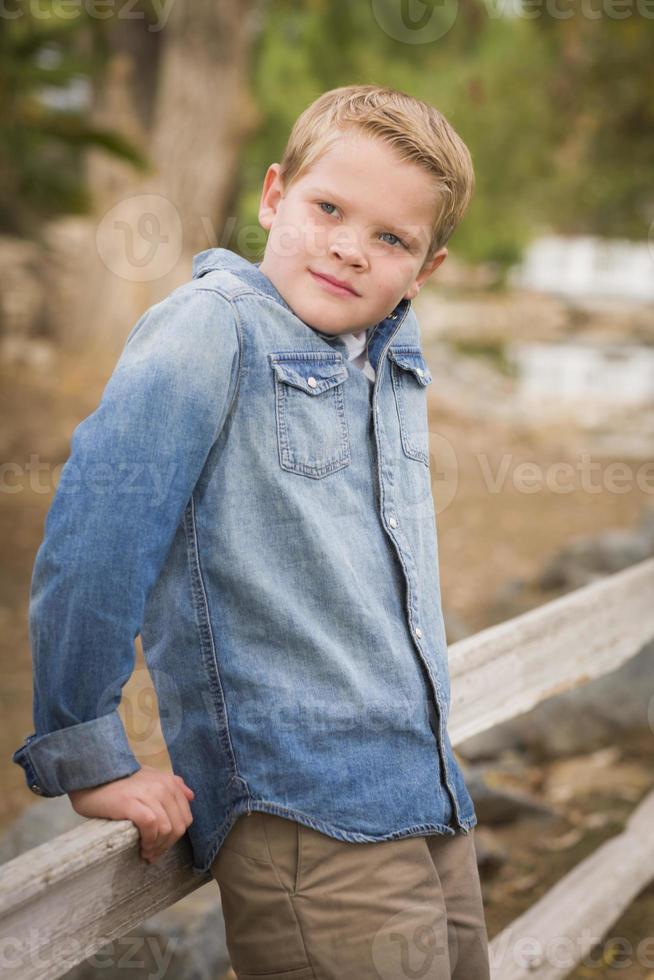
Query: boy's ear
{"type": "Point", "coordinates": [437, 259]}
{"type": "Point", "coordinates": [271, 194]}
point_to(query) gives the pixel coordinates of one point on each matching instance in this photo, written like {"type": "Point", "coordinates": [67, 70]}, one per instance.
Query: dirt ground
{"type": "Point", "coordinates": [487, 539]}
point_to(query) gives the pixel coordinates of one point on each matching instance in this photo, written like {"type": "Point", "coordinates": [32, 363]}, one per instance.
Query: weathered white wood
{"type": "Point", "coordinates": [64, 900]}
{"type": "Point", "coordinates": [557, 932]}
{"type": "Point", "coordinates": [507, 669]}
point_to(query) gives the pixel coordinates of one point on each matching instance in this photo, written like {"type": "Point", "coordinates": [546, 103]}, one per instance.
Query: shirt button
{"type": "Point", "coordinates": [420, 371]}
{"type": "Point", "coordinates": [312, 382]}
{"type": "Point", "coordinates": [392, 522]}
{"type": "Point", "coordinates": [36, 788]}
{"type": "Point", "coordinates": [418, 632]}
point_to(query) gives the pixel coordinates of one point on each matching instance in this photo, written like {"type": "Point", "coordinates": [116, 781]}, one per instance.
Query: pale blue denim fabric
{"type": "Point", "coordinates": [248, 500]}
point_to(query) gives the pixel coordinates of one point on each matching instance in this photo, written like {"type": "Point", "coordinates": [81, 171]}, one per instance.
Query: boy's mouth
{"type": "Point", "coordinates": [333, 285]}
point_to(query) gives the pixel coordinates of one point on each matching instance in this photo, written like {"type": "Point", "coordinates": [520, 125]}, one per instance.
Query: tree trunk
{"type": "Point", "coordinates": [181, 93]}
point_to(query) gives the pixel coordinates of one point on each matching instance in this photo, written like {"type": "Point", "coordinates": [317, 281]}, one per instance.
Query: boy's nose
{"type": "Point", "coordinates": [349, 249]}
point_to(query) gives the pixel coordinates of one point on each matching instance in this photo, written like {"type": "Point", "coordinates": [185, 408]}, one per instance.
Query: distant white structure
{"type": "Point", "coordinates": [588, 267]}
{"type": "Point", "coordinates": [584, 376]}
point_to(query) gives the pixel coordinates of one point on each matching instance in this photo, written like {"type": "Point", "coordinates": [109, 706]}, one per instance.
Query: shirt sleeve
{"type": "Point", "coordinates": [133, 465]}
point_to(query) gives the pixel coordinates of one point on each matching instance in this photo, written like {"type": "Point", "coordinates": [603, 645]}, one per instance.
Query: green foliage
{"type": "Point", "coordinates": [557, 113]}
{"type": "Point", "coordinates": [42, 141]}
{"type": "Point", "coordinates": [601, 96]}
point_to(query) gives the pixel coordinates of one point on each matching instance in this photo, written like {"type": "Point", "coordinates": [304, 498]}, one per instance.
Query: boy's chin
{"type": "Point", "coordinates": [322, 322]}
{"type": "Point", "coordinates": [332, 330]}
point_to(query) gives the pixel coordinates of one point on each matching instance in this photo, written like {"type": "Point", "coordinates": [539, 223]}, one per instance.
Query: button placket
{"type": "Point", "coordinates": [416, 632]}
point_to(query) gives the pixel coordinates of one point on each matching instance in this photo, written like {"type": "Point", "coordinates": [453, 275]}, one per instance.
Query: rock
{"type": "Point", "coordinates": [45, 819]}
{"type": "Point", "coordinates": [499, 804]}
{"type": "Point", "coordinates": [34, 353]}
{"type": "Point", "coordinates": [491, 854]}
{"type": "Point", "coordinates": [23, 298]}
{"type": "Point", "coordinates": [593, 556]}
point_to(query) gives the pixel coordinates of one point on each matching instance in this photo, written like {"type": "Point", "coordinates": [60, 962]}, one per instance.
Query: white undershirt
{"type": "Point", "coordinates": [356, 343]}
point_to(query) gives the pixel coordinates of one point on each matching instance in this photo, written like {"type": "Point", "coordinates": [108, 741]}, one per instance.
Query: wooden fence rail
{"type": "Point", "coordinates": [559, 930]}
{"type": "Point", "coordinates": [64, 900]}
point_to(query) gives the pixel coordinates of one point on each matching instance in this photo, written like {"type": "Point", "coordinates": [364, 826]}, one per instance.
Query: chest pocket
{"type": "Point", "coordinates": [312, 433]}
{"type": "Point", "coordinates": [410, 376]}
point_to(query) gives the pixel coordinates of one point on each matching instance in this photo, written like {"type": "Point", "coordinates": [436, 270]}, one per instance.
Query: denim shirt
{"type": "Point", "coordinates": [261, 513]}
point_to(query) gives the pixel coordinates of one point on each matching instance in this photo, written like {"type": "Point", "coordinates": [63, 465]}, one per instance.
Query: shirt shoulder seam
{"type": "Point", "coordinates": [236, 323]}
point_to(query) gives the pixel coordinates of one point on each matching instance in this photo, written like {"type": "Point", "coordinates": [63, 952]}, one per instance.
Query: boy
{"type": "Point", "coordinates": [265, 521]}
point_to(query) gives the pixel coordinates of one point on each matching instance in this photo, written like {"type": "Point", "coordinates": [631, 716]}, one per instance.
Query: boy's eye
{"type": "Point", "coordinates": [399, 240]}
{"type": "Point", "coordinates": [326, 204]}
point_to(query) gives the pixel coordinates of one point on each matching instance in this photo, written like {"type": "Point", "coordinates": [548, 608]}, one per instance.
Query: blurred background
{"type": "Point", "coordinates": [135, 134]}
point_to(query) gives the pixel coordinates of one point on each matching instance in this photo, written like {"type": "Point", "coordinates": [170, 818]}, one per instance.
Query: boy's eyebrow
{"type": "Point", "coordinates": [395, 228]}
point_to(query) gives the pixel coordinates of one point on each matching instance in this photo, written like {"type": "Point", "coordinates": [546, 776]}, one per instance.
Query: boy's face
{"type": "Point", "coordinates": [359, 215]}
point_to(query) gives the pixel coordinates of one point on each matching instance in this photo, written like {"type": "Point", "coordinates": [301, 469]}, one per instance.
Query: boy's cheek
{"type": "Point", "coordinates": [315, 239]}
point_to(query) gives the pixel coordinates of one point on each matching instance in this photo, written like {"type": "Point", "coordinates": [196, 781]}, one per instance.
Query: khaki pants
{"type": "Point", "coordinates": [300, 905]}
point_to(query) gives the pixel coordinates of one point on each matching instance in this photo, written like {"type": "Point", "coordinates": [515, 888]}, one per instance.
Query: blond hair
{"type": "Point", "coordinates": [418, 131]}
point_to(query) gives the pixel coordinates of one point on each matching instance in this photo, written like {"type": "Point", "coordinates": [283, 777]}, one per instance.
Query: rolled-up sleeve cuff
{"type": "Point", "coordinates": [77, 757]}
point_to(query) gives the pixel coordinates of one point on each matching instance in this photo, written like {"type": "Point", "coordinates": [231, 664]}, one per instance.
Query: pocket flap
{"type": "Point", "coordinates": [311, 374]}
{"type": "Point", "coordinates": [411, 359]}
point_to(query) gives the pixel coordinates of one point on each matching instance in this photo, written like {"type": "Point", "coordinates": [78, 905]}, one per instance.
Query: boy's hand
{"type": "Point", "coordinates": [156, 802]}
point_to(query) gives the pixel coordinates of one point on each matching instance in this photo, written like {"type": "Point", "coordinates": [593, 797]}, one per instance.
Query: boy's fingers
{"type": "Point", "coordinates": [146, 820]}
{"type": "Point", "coordinates": [182, 799]}
{"type": "Point", "coordinates": [182, 793]}
{"type": "Point", "coordinates": [184, 785]}
{"type": "Point", "coordinates": [156, 827]}
{"type": "Point", "coordinates": [177, 806]}
{"type": "Point", "coordinates": [161, 819]}
{"type": "Point", "coordinates": [171, 825]}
